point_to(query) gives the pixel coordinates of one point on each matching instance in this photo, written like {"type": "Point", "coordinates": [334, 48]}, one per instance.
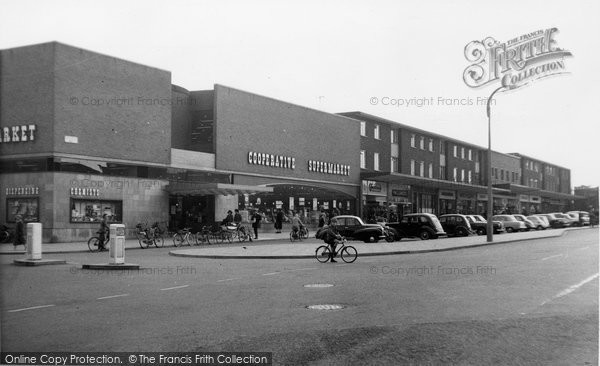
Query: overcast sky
{"type": "Point", "coordinates": [338, 56]}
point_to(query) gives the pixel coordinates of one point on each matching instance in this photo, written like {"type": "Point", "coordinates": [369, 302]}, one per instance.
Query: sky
{"type": "Point", "coordinates": [338, 56]}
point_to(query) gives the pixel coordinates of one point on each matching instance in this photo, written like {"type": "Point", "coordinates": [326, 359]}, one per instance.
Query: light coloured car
{"type": "Point", "coordinates": [528, 223]}
{"type": "Point", "coordinates": [511, 224]}
{"type": "Point", "coordinates": [544, 219]}
{"type": "Point", "coordinates": [538, 222]}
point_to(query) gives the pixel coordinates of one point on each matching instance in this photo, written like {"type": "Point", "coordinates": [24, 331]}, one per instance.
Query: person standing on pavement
{"type": "Point", "coordinates": [256, 218]}
{"type": "Point", "coordinates": [278, 221]}
{"type": "Point", "coordinates": [103, 233]}
{"type": "Point", "coordinates": [19, 238]}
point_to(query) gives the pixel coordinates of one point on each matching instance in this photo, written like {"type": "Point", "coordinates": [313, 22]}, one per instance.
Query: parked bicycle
{"type": "Point", "coordinates": [95, 243]}
{"type": "Point", "coordinates": [148, 236]}
{"type": "Point", "coordinates": [5, 234]}
{"type": "Point", "coordinates": [239, 232]}
{"type": "Point", "coordinates": [347, 252]}
{"type": "Point", "coordinates": [183, 237]}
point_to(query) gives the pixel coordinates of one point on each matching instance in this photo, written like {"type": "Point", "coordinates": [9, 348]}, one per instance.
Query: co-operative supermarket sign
{"type": "Point", "coordinates": [514, 63]}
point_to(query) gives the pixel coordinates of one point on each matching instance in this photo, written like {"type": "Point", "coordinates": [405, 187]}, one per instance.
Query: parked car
{"type": "Point", "coordinates": [583, 217]}
{"type": "Point", "coordinates": [528, 223]}
{"type": "Point", "coordinates": [477, 221]}
{"type": "Point", "coordinates": [511, 224]}
{"type": "Point", "coordinates": [418, 225]}
{"type": "Point", "coordinates": [544, 219]}
{"type": "Point", "coordinates": [555, 222]}
{"type": "Point", "coordinates": [570, 221]}
{"type": "Point", "coordinates": [538, 222]}
{"type": "Point", "coordinates": [353, 227]}
{"type": "Point", "coordinates": [456, 225]}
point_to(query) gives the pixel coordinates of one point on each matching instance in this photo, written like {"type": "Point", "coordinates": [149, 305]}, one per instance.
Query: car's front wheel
{"type": "Point", "coordinates": [425, 235]}
{"type": "Point", "coordinates": [481, 231]}
{"type": "Point", "coordinates": [509, 229]}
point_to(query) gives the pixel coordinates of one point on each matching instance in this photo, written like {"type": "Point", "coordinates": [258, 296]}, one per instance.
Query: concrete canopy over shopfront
{"type": "Point", "coordinates": [191, 188]}
{"type": "Point", "coordinates": [429, 182]}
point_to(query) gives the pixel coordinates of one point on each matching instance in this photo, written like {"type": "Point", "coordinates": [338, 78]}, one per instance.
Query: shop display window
{"type": "Point", "coordinates": [86, 210]}
{"type": "Point", "coordinates": [27, 207]}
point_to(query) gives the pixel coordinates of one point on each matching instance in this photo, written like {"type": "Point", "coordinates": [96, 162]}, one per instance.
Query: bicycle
{"type": "Point", "coordinates": [182, 237]}
{"type": "Point", "coordinates": [149, 235]}
{"type": "Point", "coordinates": [347, 252]}
{"type": "Point", "coordinates": [5, 234]}
{"type": "Point", "coordinates": [299, 234]}
{"type": "Point", "coordinates": [94, 243]}
{"type": "Point", "coordinates": [242, 233]}
{"type": "Point", "coordinates": [203, 236]}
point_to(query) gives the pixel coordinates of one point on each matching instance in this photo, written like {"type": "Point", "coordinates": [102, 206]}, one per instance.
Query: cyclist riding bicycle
{"type": "Point", "coordinates": [296, 224]}
{"type": "Point", "coordinates": [330, 236]}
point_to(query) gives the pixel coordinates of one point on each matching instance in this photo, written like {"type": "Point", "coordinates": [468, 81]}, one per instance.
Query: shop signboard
{"type": "Point", "coordinates": [373, 188]}
{"type": "Point", "coordinates": [447, 195]}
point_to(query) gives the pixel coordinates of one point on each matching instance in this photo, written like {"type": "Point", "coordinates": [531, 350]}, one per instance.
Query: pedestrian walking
{"type": "Point", "coordinates": [19, 238]}
{"type": "Point", "coordinates": [256, 218]}
{"type": "Point", "coordinates": [321, 220]}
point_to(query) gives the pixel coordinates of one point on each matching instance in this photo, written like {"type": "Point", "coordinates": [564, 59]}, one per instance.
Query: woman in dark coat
{"type": "Point", "coordinates": [19, 232]}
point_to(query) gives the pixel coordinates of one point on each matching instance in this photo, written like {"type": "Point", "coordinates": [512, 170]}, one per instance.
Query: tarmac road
{"type": "Point", "coordinates": [529, 302]}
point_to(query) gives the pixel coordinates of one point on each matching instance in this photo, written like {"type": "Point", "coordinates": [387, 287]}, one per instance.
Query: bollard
{"type": "Point", "coordinates": [34, 241]}
{"type": "Point", "coordinates": [116, 247]}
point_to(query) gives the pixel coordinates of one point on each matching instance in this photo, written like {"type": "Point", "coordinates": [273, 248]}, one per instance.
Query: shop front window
{"type": "Point", "coordinates": [28, 208]}
{"type": "Point", "coordinates": [83, 210]}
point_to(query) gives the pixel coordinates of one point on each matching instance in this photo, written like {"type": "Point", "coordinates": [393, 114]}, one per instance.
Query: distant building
{"type": "Point", "coordinates": [589, 198]}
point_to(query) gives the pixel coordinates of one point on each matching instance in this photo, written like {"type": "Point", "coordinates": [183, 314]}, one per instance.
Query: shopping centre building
{"type": "Point", "coordinates": [85, 134]}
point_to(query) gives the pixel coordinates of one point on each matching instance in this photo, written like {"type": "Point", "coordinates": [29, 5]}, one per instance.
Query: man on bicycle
{"type": "Point", "coordinates": [296, 224]}
{"type": "Point", "coordinates": [329, 235]}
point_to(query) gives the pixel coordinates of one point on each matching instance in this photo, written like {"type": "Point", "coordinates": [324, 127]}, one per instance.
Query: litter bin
{"type": "Point", "coordinates": [117, 244]}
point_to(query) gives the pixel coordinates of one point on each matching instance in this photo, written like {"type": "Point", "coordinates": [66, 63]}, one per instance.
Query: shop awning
{"type": "Point", "coordinates": [202, 189]}
{"type": "Point", "coordinates": [430, 182]}
{"type": "Point", "coordinates": [560, 196]}
{"type": "Point", "coordinates": [517, 188]}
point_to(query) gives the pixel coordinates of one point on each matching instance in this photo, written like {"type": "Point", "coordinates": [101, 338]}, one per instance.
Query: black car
{"type": "Point", "coordinates": [418, 225]}
{"type": "Point", "coordinates": [456, 225]}
{"type": "Point", "coordinates": [354, 228]}
{"type": "Point", "coordinates": [479, 225]}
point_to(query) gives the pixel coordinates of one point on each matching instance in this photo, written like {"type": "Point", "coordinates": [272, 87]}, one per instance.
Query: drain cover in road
{"type": "Point", "coordinates": [318, 285]}
{"type": "Point", "coordinates": [325, 307]}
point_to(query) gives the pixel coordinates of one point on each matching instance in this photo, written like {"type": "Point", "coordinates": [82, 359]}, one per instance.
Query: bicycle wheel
{"type": "Point", "coordinates": [349, 254]}
{"type": "Point", "coordinates": [159, 241]}
{"type": "Point", "coordinates": [177, 240]}
{"type": "Point", "coordinates": [93, 244]}
{"type": "Point", "coordinates": [322, 253]}
{"type": "Point", "coordinates": [228, 236]}
{"type": "Point", "coordinates": [242, 236]}
{"type": "Point", "coordinates": [203, 238]}
{"type": "Point", "coordinates": [292, 236]}
{"type": "Point", "coordinates": [305, 233]}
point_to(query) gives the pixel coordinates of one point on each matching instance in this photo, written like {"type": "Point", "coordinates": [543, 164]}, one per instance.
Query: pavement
{"type": "Point", "coordinates": [306, 249]}
{"type": "Point", "coordinates": [270, 246]}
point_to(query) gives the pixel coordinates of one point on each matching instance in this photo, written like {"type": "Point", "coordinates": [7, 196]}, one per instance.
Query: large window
{"type": "Point", "coordinates": [87, 210]}
{"type": "Point", "coordinates": [412, 167]}
{"type": "Point", "coordinates": [375, 161]}
{"type": "Point", "coordinates": [376, 132]}
{"type": "Point", "coordinates": [363, 128]}
{"type": "Point", "coordinates": [413, 140]}
{"type": "Point", "coordinates": [363, 160]}
{"type": "Point", "coordinates": [28, 208]}
{"type": "Point", "coordinates": [394, 165]}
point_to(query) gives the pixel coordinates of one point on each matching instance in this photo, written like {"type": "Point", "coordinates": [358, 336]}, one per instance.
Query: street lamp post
{"type": "Point", "coordinates": [490, 208]}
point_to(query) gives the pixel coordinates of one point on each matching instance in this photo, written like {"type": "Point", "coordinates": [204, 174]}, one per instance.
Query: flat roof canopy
{"type": "Point", "coordinates": [201, 189]}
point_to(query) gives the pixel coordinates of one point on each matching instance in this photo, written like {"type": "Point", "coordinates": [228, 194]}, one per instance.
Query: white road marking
{"type": "Point", "coordinates": [301, 269]}
{"type": "Point", "coordinates": [582, 248]}
{"type": "Point", "coordinates": [270, 273]}
{"type": "Point", "coordinates": [553, 256]}
{"type": "Point", "coordinates": [173, 288]}
{"type": "Point", "coordinates": [31, 308]}
{"type": "Point", "coordinates": [111, 297]}
{"type": "Point", "coordinates": [229, 279]}
{"type": "Point", "coordinates": [572, 288]}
